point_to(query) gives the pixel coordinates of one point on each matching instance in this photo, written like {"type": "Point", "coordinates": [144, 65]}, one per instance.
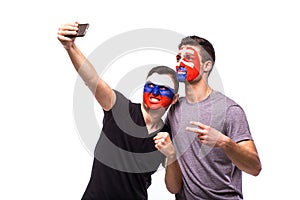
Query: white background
{"type": "Point", "coordinates": [257, 47]}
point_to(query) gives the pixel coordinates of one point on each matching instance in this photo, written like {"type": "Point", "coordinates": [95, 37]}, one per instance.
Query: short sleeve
{"type": "Point", "coordinates": [236, 124]}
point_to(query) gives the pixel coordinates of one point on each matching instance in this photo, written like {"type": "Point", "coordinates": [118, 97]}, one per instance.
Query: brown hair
{"type": "Point", "coordinates": [168, 71]}
{"type": "Point", "coordinates": [206, 48]}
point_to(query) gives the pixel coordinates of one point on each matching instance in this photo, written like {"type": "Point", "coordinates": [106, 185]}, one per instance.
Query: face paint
{"type": "Point", "coordinates": [157, 91]}
{"type": "Point", "coordinates": [188, 64]}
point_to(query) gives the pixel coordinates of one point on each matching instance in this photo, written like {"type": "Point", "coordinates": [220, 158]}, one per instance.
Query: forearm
{"type": "Point", "coordinates": [101, 90]}
{"type": "Point", "coordinates": [84, 68]}
{"type": "Point", "coordinates": [244, 155]}
{"type": "Point", "coordinates": [173, 176]}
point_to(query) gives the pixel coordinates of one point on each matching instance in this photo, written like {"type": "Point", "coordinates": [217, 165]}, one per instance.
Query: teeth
{"type": "Point", "coordinates": [180, 72]}
{"type": "Point", "coordinates": [154, 99]}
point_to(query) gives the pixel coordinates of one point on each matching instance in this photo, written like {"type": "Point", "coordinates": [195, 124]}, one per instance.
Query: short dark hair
{"type": "Point", "coordinates": [206, 48]}
{"type": "Point", "coordinates": [168, 71]}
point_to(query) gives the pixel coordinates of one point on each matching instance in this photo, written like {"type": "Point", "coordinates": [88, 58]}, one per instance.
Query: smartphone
{"type": "Point", "coordinates": [82, 29]}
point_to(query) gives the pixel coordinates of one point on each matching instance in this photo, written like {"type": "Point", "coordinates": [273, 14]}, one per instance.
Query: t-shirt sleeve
{"type": "Point", "coordinates": [236, 124]}
{"type": "Point", "coordinates": [167, 125]}
{"type": "Point", "coordinates": [119, 111]}
{"type": "Point", "coordinates": [121, 100]}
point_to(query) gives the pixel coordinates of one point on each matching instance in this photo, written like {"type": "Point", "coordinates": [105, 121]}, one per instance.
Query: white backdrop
{"type": "Point", "coordinates": [257, 47]}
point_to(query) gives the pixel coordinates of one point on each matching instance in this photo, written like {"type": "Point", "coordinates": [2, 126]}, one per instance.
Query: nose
{"type": "Point", "coordinates": [182, 62]}
{"type": "Point", "coordinates": [179, 61]}
{"type": "Point", "coordinates": [155, 90]}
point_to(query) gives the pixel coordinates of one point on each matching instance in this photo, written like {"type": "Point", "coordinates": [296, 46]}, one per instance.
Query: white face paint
{"type": "Point", "coordinates": [161, 79]}
{"type": "Point", "coordinates": [183, 52]}
{"type": "Point", "coordinates": [190, 64]}
{"type": "Point", "coordinates": [186, 51]}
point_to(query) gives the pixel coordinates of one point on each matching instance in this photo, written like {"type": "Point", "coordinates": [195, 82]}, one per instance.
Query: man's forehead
{"type": "Point", "coordinates": [187, 50]}
{"type": "Point", "coordinates": [161, 79]}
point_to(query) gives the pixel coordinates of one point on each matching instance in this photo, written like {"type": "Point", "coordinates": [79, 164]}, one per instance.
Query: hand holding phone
{"type": "Point", "coordinates": [82, 29]}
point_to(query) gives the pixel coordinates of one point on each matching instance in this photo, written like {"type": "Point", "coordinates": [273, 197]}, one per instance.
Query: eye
{"type": "Point", "coordinates": [188, 57]}
{"type": "Point", "coordinates": [151, 85]}
{"type": "Point", "coordinates": [163, 88]}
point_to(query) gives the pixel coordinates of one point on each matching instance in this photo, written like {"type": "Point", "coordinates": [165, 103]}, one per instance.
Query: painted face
{"type": "Point", "coordinates": [188, 64]}
{"type": "Point", "coordinates": [158, 91]}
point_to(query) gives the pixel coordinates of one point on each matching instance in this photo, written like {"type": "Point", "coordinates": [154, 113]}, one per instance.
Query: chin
{"type": "Point", "coordinates": [156, 107]}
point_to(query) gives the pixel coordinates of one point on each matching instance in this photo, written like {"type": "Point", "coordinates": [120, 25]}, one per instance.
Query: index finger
{"type": "Point", "coordinates": [69, 26]}
{"type": "Point", "coordinates": [194, 130]}
{"type": "Point", "coordinates": [199, 124]}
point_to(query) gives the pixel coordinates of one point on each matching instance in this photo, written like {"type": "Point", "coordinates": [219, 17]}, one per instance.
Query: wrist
{"type": "Point", "coordinates": [69, 46]}
{"type": "Point", "coordinates": [225, 142]}
{"type": "Point", "coordinates": [171, 157]}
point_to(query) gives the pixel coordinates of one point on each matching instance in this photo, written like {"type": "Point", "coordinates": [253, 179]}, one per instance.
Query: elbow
{"type": "Point", "coordinates": [257, 170]}
{"type": "Point", "coordinates": [173, 190]}
{"type": "Point", "coordinates": [253, 169]}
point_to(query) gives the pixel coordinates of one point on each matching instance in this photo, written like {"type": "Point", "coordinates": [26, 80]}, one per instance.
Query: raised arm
{"type": "Point", "coordinates": [101, 90]}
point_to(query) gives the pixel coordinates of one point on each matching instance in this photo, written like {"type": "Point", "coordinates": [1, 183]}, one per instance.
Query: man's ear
{"type": "Point", "coordinates": [207, 66]}
{"type": "Point", "coordinates": [175, 98]}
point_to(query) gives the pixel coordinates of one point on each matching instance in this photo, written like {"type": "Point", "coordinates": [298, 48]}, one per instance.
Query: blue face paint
{"type": "Point", "coordinates": [181, 74]}
{"type": "Point", "coordinates": [158, 90]}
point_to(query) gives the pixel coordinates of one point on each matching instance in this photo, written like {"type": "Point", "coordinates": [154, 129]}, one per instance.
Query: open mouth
{"type": "Point", "coordinates": [181, 72]}
{"type": "Point", "coordinates": [154, 99]}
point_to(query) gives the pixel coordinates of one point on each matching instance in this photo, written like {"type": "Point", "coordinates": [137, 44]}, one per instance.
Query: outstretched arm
{"type": "Point", "coordinates": [101, 90]}
{"type": "Point", "coordinates": [173, 176]}
{"type": "Point", "coordinates": [243, 154]}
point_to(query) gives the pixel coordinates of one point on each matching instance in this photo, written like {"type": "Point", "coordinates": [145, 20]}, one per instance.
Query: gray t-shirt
{"type": "Point", "coordinates": [207, 172]}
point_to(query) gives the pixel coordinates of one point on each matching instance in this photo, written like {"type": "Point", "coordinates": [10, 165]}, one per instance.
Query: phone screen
{"type": "Point", "coordinates": [82, 30]}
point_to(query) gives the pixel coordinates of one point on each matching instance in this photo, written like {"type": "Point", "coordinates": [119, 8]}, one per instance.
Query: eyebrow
{"type": "Point", "coordinates": [190, 51]}
{"type": "Point", "coordinates": [149, 82]}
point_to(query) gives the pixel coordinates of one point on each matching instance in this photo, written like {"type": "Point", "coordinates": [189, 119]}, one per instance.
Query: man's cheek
{"type": "Point", "coordinates": [165, 101]}
{"type": "Point", "coordinates": [192, 73]}
{"type": "Point", "coordinates": [146, 99]}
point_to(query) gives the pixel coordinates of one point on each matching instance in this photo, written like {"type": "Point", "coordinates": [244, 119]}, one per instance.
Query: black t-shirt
{"type": "Point", "coordinates": [125, 155]}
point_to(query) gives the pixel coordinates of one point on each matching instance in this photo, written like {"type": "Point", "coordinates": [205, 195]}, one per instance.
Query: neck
{"type": "Point", "coordinates": [153, 118]}
{"type": "Point", "coordinates": [197, 91]}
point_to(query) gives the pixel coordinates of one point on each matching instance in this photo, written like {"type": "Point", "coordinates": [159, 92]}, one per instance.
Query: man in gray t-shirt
{"type": "Point", "coordinates": [209, 130]}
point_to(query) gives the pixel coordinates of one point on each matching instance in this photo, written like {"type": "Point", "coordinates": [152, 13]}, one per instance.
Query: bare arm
{"type": "Point", "coordinates": [173, 176]}
{"type": "Point", "coordinates": [102, 91]}
{"type": "Point", "coordinates": [243, 154]}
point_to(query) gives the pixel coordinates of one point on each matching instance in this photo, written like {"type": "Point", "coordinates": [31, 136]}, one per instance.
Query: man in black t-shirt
{"type": "Point", "coordinates": [126, 154]}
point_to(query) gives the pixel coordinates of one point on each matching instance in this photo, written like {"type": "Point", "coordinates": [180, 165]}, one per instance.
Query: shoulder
{"type": "Point", "coordinates": [173, 108]}
{"type": "Point", "coordinates": [225, 104]}
{"type": "Point", "coordinates": [119, 95]}
{"type": "Point", "coordinates": [236, 123]}
{"type": "Point", "coordinates": [121, 102]}
{"type": "Point", "coordinates": [235, 114]}
{"type": "Point", "coordinates": [222, 98]}
{"type": "Point", "coordinates": [125, 105]}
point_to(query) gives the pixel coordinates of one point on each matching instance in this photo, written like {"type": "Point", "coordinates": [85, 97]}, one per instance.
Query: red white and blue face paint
{"type": "Point", "coordinates": [188, 64]}
{"type": "Point", "coordinates": [158, 91]}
